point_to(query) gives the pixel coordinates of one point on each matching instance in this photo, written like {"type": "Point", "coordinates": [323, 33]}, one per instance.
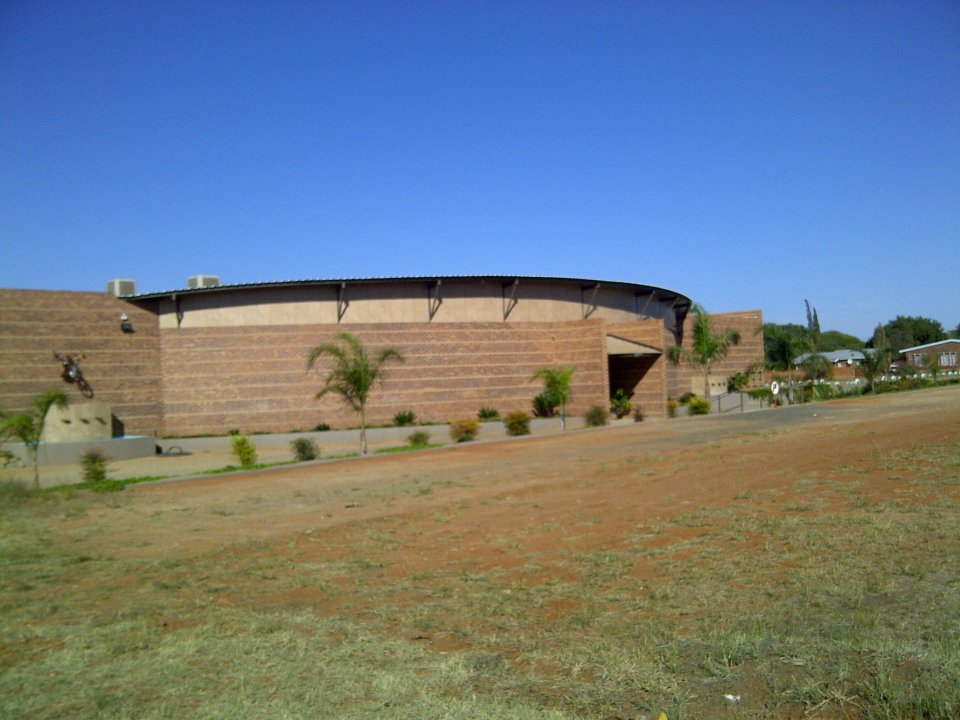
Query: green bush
{"type": "Point", "coordinates": [419, 438]}
{"type": "Point", "coordinates": [404, 418]}
{"type": "Point", "coordinates": [488, 413]}
{"type": "Point", "coordinates": [544, 405]}
{"type": "Point", "coordinates": [321, 427]}
{"type": "Point", "coordinates": [620, 404]}
{"type": "Point", "coordinates": [763, 393]}
{"type": "Point", "coordinates": [596, 416]}
{"type": "Point", "coordinates": [826, 391]}
{"type": "Point", "coordinates": [737, 382]}
{"type": "Point", "coordinates": [94, 464]}
{"type": "Point", "coordinates": [686, 398]}
{"type": "Point", "coordinates": [244, 450]}
{"type": "Point", "coordinates": [464, 430]}
{"type": "Point", "coordinates": [304, 449]}
{"type": "Point", "coordinates": [638, 415]}
{"type": "Point", "coordinates": [698, 406]}
{"type": "Point", "coordinates": [517, 423]}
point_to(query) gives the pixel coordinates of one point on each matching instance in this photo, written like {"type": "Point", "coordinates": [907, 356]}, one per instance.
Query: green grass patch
{"type": "Point", "coordinates": [405, 448]}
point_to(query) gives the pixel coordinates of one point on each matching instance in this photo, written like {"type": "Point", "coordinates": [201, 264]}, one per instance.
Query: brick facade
{"type": "Point", "coordinates": [942, 356]}
{"type": "Point", "coordinates": [167, 380]}
{"type": "Point", "coordinates": [255, 378]}
{"type": "Point", "coordinates": [122, 368]}
{"type": "Point", "coordinates": [740, 357]}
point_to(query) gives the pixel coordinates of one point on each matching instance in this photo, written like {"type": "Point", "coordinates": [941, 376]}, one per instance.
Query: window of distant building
{"type": "Point", "coordinates": [918, 359]}
{"type": "Point", "coordinates": [948, 359]}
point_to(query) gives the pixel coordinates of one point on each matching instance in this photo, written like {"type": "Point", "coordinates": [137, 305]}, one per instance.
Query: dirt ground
{"type": "Point", "coordinates": [548, 480]}
{"type": "Point", "coordinates": [385, 541]}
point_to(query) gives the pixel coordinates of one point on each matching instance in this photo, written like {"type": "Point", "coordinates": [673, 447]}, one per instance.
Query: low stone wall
{"type": "Point", "coordinates": [60, 453]}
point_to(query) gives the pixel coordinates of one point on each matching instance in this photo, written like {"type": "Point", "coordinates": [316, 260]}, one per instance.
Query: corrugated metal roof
{"type": "Point", "coordinates": [667, 294]}
{"type": "Point", "coordinates": [930, 345]}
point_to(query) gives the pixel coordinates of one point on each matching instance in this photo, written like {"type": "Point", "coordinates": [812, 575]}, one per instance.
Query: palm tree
{"type": "Point", "coordinates": [707, 347]}
{"type": "Point", "coordinates": [27, 427]}
{"type": "Point", "coordinates": [353, 374]}
{"type": "Point", "coordinates": [556, 382]}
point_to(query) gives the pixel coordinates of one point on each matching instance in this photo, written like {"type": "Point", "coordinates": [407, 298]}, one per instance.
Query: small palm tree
{"type": "Point", "coordinates": [707, 347]}
{"type": "Point", "coordinates": [28, 427]}
{"type": "Point", "coordinates": [556, 383]}
{"type": "Point", "coordinates": [353, 374]}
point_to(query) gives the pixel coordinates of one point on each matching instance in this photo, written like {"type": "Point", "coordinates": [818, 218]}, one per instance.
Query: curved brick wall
{"type": "Point", "coordinates": [255, 378]}
{"type": "Point", "coordinates": [237, 358]}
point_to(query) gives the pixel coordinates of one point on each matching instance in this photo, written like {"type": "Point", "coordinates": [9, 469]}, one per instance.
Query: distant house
{"type": "Point", "coordinates": [837, 358]}
{"type": "Point", "coordinates": [942, 355]}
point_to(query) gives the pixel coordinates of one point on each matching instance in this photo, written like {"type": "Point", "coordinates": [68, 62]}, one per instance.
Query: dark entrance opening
{"type": "Point", "coordinates": [626, 371]}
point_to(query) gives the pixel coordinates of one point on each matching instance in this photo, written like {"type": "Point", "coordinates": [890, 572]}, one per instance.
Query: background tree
{"type": "Point", "coordinates": [353, 375]}
{"type": "Point", "coordinates": [706, 347]}
{"type": "Point", "coordinates": [815, 365]}
{"type": "Point", "coordinates": [27, 427]}
{"type": "Point", "coordinates": [556, 388]}
{"type": "Point", "coordinates": [876, 363]}
{"type": "Point", "coordinates": [835, 340]}
{"type": "Point", "coordinates": [907, 331]}
{"type": "Point", "coordinates": [782, 343]}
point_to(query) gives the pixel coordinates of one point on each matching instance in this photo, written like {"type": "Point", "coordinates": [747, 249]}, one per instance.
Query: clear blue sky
{"type": "Point", "coordinates": [748, 154]}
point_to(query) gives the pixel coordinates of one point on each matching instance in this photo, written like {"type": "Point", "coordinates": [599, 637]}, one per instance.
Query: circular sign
{"type": "Point", "coordinates": [775, 387]}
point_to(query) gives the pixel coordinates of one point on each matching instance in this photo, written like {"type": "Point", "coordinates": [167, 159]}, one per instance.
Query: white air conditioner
{"type": "Point", "coordinates": [203, 281]}
{"type": "Point", "coordinates": [122, 288]}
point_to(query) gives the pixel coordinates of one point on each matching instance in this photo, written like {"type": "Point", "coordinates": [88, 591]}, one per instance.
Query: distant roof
{"type": "Point", "coordinates": [930, 345]}
{"type": "Point", "coordinates": [834, 356]}
{"type": "Point", "coordinates": [682, 300]}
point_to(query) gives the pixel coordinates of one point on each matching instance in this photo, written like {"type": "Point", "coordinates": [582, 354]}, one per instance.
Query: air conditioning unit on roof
{"type": "Point", "coordinates": [203, 281]}
{"type": "Point", "coordinates": [122, 288]}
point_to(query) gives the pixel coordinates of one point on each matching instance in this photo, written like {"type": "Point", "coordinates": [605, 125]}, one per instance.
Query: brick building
{"type": "Point", "coordinates": [941, 356]}
{"type": "Point", "coordinates": [209, 358]}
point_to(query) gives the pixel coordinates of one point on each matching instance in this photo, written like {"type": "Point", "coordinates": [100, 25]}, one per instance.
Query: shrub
{"type": "Point", "coordinates": [418, 438]}
{"type": "Point", "coordinates": [544, 405]}
{"type": "Point", "coordinates": [464, 430]}
{"type": "Point", "coordinates": [826, 391]}
{"type": "Point", "coordinates": [737, 382]}
{"type": "Point", "coordinates": [620, 404]}
{"type": "Point", "coordinates": [672, 406]}
{"type": "Point", "coordinates": [596, 416]}
{"type": "Point", "coordinates": [94, 463]}
{"type": "Point", "coordinates": [404, 418]}
{"type": "Point", "coordinates": [517, 423]}
{"type": "Point", "coordinates": [304, 449]}
{"type": "Point", "coordinates": [638, 415]}
{"type": "Point", "coordinates": [488, 413]}
{"type": "Point", "coordinates": [686, 398]}
{"type": "Point", "coordinates": [244, 450]}
{"type": "Point", "coordinates": [321, 427]}
{"type": "Point", "coordinates": [233, 431]}
{"type": "Point", "coordinates": [698, 406]}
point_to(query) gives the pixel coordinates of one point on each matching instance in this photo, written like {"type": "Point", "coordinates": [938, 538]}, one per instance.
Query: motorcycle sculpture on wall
{"type": "Point", "coordinates": [71, 372]}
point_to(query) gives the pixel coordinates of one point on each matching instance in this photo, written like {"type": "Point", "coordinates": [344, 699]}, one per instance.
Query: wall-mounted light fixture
{"type": "Point", "coordinates": [125, 323]}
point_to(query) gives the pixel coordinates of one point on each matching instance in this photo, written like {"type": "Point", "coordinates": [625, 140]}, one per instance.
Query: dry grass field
{"type": "Point", "coordinates": [792, 563]}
